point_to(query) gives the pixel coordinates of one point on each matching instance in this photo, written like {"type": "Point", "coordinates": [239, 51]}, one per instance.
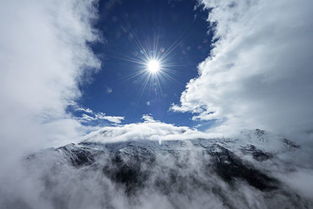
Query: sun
{"type": "Point", "coordinates": [153, 66]}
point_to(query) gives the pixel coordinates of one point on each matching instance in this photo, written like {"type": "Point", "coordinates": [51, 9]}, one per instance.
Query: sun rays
{"type": "Point", "coordinates": [153, 64]}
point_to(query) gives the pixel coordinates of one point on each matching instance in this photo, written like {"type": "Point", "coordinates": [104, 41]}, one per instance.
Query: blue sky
{"type": "Point", "coordinates": [124, 26]}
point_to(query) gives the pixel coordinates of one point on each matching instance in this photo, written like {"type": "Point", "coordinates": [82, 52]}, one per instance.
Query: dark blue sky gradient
{"type": "Point", "coordinates": [123, 22]}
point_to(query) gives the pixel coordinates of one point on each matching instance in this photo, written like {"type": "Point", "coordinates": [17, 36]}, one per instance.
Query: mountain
{"type": "Point", "coordinates": [196, 173]}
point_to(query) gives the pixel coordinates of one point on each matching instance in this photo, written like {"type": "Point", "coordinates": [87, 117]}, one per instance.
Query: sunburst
{"type": "Point", "coordinates": [154, 66]}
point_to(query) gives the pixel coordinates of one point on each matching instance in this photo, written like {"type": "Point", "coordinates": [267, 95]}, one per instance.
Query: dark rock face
{"type": "Point", "coordinates": [257, 154]}
{"type": "Point", "coordinates": [131, 167]}
{"type": "Point", "coordinates": [290, 144]}
{"type": "Point", "coordinates": [230, 167]}
{"type": "Point", "coordinates": [131, 164]}
{"type": "Point", "coordinates": [78, 156]}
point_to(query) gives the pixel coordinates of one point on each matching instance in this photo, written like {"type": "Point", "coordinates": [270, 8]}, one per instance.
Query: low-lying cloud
{"type": "Point", "coordinates": [260, 72]}
{"type": "Point", "coordinates": [150, 129]}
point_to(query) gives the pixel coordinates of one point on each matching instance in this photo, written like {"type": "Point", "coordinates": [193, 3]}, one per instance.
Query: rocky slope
{"type": "Point", "coordinates": [197, 173]}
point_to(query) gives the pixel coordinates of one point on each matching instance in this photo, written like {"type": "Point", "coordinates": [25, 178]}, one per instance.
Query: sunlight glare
{"type": "Point", "coordinates": [153, 66]}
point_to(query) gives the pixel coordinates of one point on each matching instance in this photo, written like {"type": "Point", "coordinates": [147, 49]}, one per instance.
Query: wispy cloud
{"type": "Point", "coordinates": [148, 118]}
{"type": "Point", "coordinates": [114, 119]}
{"type": "Point", "coordinates": [88, 115]}
{"type": "Point", "coordinates": [81, 109]}
{"type": "Point", "coordinates": [109, 90]}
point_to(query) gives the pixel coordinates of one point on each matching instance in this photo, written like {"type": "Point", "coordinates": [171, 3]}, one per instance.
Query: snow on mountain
{"type": "Point", "coordinates": [243, 172]}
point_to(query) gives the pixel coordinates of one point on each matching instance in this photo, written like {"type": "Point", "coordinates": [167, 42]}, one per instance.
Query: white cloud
{"type": "Point", "coordinates": [148, 118]}
{"type": "Point", "coordinates": [86, 118]}
{"type": "Point", "coordinates": [43, 57]}
{"type": "Point", "coordinates": [109, 90]}
{"type": "Point", "coordinates": [114, 119]}
{"type": "Point", "coordinates": [260, 72]}
{"type": "Point", "coordinates": [81, 109]}
{"type": "Point", "coordinates": [89, 115]}
{"type": "Point", "coordinates": [150, 129]}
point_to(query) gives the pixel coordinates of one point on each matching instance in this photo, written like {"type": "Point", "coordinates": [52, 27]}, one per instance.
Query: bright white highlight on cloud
{"type": "Point", "coordinates": [150, 129]}
{"type": "Point", "coordinates": [260, 72]}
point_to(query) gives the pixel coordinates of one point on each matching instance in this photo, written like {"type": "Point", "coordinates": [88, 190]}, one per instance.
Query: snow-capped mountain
{"type": "Point", "coordinates": [197, 173]}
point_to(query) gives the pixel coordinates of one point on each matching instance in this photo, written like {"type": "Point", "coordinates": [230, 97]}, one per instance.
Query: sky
{"type": "Point", "coordinates": [178, 28]}
{"type": "Point", "coordinates": [230, 65]}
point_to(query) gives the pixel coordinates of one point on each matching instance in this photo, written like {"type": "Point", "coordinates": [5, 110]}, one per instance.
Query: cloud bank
{"type": "Point", "coordinates": [150, 129]}
{"type": "Point", "coordinates": [43, 57]}
{"type": "Point", "coordinates": [260, 72]}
